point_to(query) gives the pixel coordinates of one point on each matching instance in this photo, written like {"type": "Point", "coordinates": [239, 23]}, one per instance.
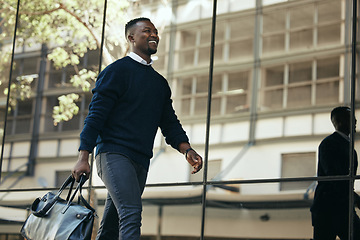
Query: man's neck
{"type": "Point", "coordinates": [139, 59]}
{"type": "Point", "coordinates": [147, 58]}
{"type": "Point", "coordinates": [346, 136]}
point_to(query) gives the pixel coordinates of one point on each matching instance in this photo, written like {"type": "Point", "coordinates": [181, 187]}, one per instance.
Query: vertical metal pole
{"type": "Point", "coordinates": [100, 63]}
{"type": "Point", "coordinates": [352, 118]}
{"type": "Point", "coordinates": [256, 68]}
{"type": "Point", "coordinates": [102, 36]}
{"type": "Point", "coordinates": [211, 70]}
{"type": "Point", "coordinates": [37, 113]}
{"type": "Point", "coordinates": [160, 215]}
{"type": "Point", "coordinates": [10, 76]}
{"type": "Point", "coordinates": [347, 53]}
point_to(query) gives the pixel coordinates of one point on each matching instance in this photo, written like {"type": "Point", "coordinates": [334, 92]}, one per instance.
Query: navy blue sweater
{"type": "Point", "coordinates": [130, 101]}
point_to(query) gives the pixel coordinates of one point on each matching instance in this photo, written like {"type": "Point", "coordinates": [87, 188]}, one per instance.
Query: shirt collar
{"type": "Point", "coordinates": [343, 135]}
{"type": "Point", "coordinates": [139, 59]}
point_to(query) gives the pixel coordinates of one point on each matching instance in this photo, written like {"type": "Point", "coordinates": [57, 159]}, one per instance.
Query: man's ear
{"type": "Point", "coordinates": [130, 37]}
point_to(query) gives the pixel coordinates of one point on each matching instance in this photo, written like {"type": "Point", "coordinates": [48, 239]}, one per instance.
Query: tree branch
{"type": "Point", "coordinates": [2, 22]}
{"type": "Point", "coordinates": [62, 6]}
{"type": "Point", "coordinates": [40, 13]}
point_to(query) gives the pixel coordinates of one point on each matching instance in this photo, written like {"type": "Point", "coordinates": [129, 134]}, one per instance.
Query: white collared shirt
{"type": "Point", "coordinates": [139, 59]}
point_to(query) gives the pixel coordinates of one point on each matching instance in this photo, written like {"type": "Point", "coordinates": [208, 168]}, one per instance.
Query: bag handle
{"type": "Point", "coordinates": [83, 179]}
{"type": "Point", "coordinates": [42, 212]}
{"type": "Point", "coordinates": [70, 180]}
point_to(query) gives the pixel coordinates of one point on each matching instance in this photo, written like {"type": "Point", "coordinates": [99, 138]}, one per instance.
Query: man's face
{"type": "Point", "coordinates": [345, 123]}
{"type": "Point", "coordinates": [144, 38]}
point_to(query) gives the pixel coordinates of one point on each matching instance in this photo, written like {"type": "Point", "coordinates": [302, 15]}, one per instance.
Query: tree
{"type": "Point", "coordinates": [71, 28]}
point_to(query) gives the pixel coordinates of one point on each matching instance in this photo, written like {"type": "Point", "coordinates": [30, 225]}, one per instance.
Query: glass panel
{"type": "Point", "coordinates": [216, 106]}
{"type": "Point", "coordinates": [329, 11]}
{"type": "Point", "coordinates": [241, 38]}
{"type": "Point", "coordinates": [299, 96]}
{"type": "Point", "coordinates": [23, 125]}
{"type": "Point", "coordinates": [188, 39]}
{"type": "Point", "coordinates": [297, 165]}
{"type": "Point", "coordinates": [217, 83]}
{"type": "Point", "coordinates": [186, 58]}
{"type": "Point", "coordinates": [239, 162]}
{"type": "Point", "coordinates": [274, 21]}
{"type": "Point", "coordinates": [72, 124]}
{"type": "Point", "coordinates": [205, 34]}
{"type": "Point", "coordinates": [186, 49]}
{"type": "Point", "coordinates": [236, 103]}
{"type": "Point", "coordinates": [238, 211]}
{"type": "Point", "coordinates": [201, 105]}
{"type": "Point", "coordinates": [301, 39]}
{"type": "Point", "coordinates": [51, 101]}
{"type": "Point", "coordinates": [25, 108]}
{"type": "Point", "coordinates": [328, 93]}
{"type": "Point", "coordinates": [237, 94]}
{"type": "Point", "coordinates": [238, 81]}
{"type": "Point", "coordinates": [55, 77]}
{"type": "Point", "coordinates": [161, 218]}
{"type": "Point", "coordinates": [273, 43]}
{"type": "Point", "coordinates": [303, 79]}
{"type": "Point", "coordinates": [202, 84]}
{"type": "Point", "coordinates": [186, 86]}
{"type": "Point", "coordinates": [274, 76]}
{"type": "Point", "coordinates": [273, 99]}
{"type": "Point", "coordinates": [218, 54]}
{"type": "Point", "coordinates": [329, 34]}
{"type": "Point", "coordinates": [327, 68]}
{"type": "Point", "coordinates": [300, 72]}
{"type": "Point", "coordinates": [241, 49]}
{"type": "Point", "coordinates": [204, 55]}
{"type": "Point", "coordinates": [185, 107]}
{"type": "Point", "coordinates": [302, 16]}
{"type": "Point", "coordinates": [241, 27]}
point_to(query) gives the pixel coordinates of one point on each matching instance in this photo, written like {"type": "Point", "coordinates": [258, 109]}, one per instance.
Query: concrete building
{"type": "Point", "coordinates": [280, 66]}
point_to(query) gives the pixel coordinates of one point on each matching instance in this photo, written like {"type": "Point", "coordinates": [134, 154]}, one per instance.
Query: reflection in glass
{"type": "Point", "coordinates": [249, 211]}
{"type": "Point", "coordinates": [297, 165]}
{"type": "Point", "coordinates": [301, 39]}
{"type": "Point", "coordinates": [273, 43]}
{"type": "Point", "coordinates": [299, 73]}
{"type": "Point", "coordinates": [327, 92]}
{"type": "Point", "coordinates": [299, 96]}
{"type": "Point", "coordinates": [172, 212]}
{"type": "Point", "coordinates": [7, 28]}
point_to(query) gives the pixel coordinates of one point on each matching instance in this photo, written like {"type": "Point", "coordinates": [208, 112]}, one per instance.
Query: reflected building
{"type": "Point", "coordinates": [280, 66]}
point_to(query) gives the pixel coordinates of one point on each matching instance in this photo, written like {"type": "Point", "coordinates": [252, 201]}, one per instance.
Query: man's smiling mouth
{"type": "Point", "coordinates": [153, 41]}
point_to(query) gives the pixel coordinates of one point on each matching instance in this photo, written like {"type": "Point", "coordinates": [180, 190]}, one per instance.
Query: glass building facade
{"type": "Point", "coordinates": [253, 83]}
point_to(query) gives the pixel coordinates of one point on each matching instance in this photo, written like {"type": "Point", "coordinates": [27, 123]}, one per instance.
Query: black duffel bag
{"type": "Point", "coordinates": [53, 218]}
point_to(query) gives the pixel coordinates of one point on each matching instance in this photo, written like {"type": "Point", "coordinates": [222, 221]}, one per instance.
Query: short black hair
{"type": "Point", "coordinates": [338, 113]}
{"type": "Point", "coordinates": [132, 22]}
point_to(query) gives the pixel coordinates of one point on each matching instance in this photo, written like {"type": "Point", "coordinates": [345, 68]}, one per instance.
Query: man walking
{"type": "Point", "coordinates": [130, 102]}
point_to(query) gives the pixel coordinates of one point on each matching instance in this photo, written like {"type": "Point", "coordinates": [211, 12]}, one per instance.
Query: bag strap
{"type": "Point", "coordinates": [83, 179]}
{"type": "Point", "coordinates": [42, 212]}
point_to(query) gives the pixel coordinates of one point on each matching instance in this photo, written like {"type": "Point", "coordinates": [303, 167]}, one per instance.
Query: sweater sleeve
{"type": "Point", "coordinates": [170, 125]}
{"type": "Point", "coordinates": [108, 89]}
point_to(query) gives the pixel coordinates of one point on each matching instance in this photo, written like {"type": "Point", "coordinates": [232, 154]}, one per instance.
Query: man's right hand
{"type": "Point", "coordinates": [82, 166]}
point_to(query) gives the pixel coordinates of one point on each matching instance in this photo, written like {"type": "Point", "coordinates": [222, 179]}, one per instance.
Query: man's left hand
{"type": "Point", "coordinates": [195, 160]}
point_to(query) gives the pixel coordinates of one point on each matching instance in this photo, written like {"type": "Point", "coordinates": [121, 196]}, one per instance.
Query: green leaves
{"type": "Point", "coordinates": [67, 108]}
{"type": "Point", "coordinates": [61, 58]}
{"type": "Point", "coordinates": [82, 79]}
{"type": "Point", "coordinates": [20, 88]}
{"type": "Point", "coordinates": [70, 29]}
